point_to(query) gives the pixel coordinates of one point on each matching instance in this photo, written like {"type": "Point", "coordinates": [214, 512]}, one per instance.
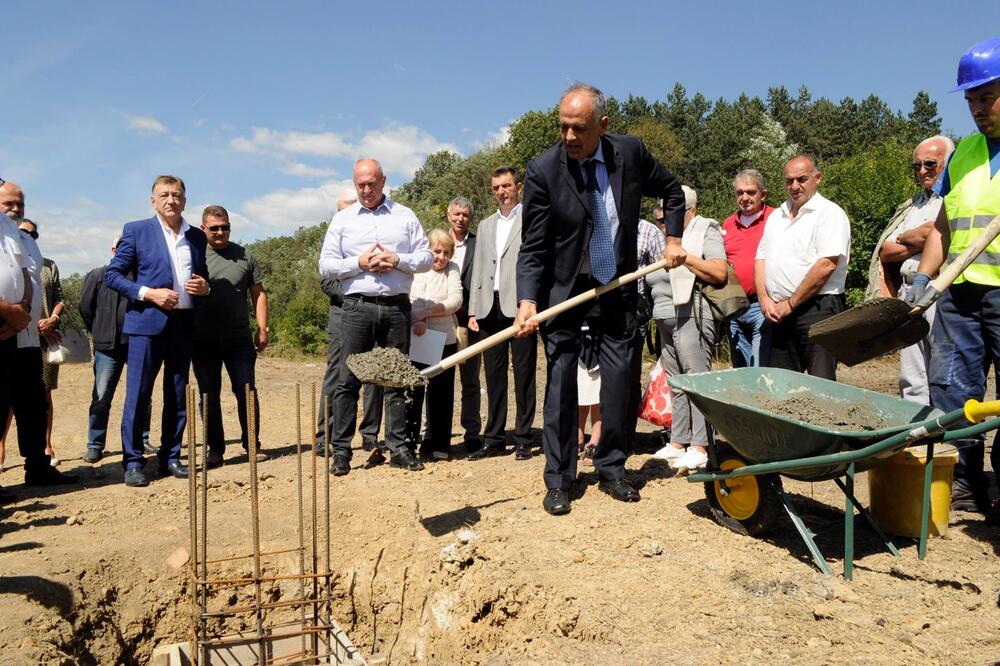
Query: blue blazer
{"type": "Point", "coordinates": [142, 252]}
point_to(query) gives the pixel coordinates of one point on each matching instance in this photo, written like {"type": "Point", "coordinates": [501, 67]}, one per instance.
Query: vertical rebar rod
{"type": "Point", "coordinates": [327, 516]}
{"type": "Point", "coordinates": [192, 455]}
{"type": "Point", "coordinates": [203, 526]}
{"type": "Point", "coordinates": [251, 406]}
{"type": "Point", "coordinates": [298, 486]}
{"type": "Point", "coordinates": [315, 507]}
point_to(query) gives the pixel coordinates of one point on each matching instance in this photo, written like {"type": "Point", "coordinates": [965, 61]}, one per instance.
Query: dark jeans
{"type": "Point", "coordinates": [365, 326]}
{"type": "Point", "coordinates": [239, 358]}
{"type": "Point", "coordinates": [524, 354]}
{"type": "Point", "coordinates": [108, 366]}
{"type": "Point", "coordinates": [964, 339]}
{"type": "Point", "coordinates": [791, 347]}
{"type": "Point", "coordinates": [22, 391]}
{"type": "Point", "coordinates": [468, 373]}
{"type": "Point", "coordinates": [440, 394]}
{"type": "Point", "coordinates": [371, 413]}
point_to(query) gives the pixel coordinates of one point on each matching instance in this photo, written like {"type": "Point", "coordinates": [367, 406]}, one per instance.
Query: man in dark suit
{"type": "Point", "coordinates": [167, 258]}
{"type": "Point", "coordinates": [460, 211]}
{"type": "Point", "coordinates": [580, 229]}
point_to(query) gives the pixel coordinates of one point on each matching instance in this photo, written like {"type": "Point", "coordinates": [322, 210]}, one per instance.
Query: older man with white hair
{"type": "Point", "coordinates": [898, 252]}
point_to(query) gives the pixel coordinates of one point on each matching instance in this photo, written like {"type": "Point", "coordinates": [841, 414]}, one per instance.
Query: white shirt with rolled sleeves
{"type": "Point", "coordinates": [790, 247]}
{"type": "Point", "coordinates": [180, 260]}
{"type": "Point", "coordinates": [12, 260]}
{"type": "Point", "coordinates": [355, 229]}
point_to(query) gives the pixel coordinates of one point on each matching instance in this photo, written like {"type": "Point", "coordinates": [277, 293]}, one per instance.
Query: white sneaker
{"type": "Point", "coordinates": [669, 453]}
{"type": "Point", "coordinates": [692, 460]}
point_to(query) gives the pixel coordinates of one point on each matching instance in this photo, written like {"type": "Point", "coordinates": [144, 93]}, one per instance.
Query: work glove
{"type": "Point", "coordinates": [917, 289]}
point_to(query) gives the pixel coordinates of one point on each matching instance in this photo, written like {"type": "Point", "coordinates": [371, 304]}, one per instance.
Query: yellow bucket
{"type": "Point", "coordinates": [896, 490]}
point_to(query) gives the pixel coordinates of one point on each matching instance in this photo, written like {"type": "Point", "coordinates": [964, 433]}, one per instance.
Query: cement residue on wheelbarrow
{"type": "Point", "coordinates": [853, 417]}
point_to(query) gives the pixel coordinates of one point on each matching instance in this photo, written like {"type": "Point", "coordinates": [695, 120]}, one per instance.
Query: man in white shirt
{"type": "Point", "coordinates": [801, 269]}
{"type": "Point", "coordinates": [373, 247]}
{"type": "Point", "coordinates": [492, 306]}
{"type": "Point", "coordinates": [898, 256]}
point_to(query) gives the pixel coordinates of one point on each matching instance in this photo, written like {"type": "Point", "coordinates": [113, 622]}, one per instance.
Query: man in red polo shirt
{"type": "Point", "coordinates": [750, 333]}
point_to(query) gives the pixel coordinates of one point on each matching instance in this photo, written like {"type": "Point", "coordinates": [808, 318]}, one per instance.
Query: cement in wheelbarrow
{"type": "Point", "coordinates": [770, 415]}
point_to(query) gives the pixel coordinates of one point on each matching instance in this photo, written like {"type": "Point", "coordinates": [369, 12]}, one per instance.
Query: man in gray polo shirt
{"type": "Point", "coordinates": [222, 329]}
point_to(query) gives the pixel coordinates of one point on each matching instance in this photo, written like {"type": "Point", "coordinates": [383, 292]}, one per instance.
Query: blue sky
{"type": "Point", "coordinates": [263, 107]}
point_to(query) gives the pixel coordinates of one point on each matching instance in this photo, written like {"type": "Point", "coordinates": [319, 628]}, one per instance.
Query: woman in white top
{"type": "Point", "coordinates": [435, 297]}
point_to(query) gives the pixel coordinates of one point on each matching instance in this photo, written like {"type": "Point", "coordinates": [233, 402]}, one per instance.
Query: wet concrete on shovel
{"type": "Point", "coordinates": [385, 366]}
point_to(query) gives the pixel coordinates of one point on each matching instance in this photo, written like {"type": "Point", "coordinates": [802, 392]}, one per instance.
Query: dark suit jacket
{"type": "Point", "coordinates": [470, 253]}
{"type": "Point", "coordinates": [142, 252]}
{"type": "Point", "coordinates": [557, 221]}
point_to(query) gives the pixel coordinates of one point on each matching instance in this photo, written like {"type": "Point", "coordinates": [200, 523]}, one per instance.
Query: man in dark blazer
{"type": "Point", "coordinates": [581, 218]}
{"type": "Point", "coordinates": [167, 258]}
{"type": "Point", "coordinates": [460, 211]}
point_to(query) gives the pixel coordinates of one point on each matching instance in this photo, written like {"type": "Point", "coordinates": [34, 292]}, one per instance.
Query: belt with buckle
{"type": "Point", "coordinates": [386, 299]}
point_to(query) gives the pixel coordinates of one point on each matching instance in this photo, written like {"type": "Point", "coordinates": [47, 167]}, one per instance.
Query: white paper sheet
{"type": "Point", "coordinates": [427, 348]}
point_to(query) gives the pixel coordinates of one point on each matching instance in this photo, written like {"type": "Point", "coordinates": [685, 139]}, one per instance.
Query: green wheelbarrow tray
{"type": "Point", "coordinates": [736, 403]}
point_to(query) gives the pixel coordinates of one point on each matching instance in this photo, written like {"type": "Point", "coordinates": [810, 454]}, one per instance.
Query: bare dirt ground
{"type": "Point", "coordinates": [459, 564]}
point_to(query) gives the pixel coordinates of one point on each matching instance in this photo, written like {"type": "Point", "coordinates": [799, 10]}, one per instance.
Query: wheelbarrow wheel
{"type": "Point", "coordinates": [752, 504]}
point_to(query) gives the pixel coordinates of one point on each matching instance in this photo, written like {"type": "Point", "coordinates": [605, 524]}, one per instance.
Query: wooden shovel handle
{"type": "Point", "coordinates": [544, 315]}
{"type": "Point", "coordinates": [951, 272]}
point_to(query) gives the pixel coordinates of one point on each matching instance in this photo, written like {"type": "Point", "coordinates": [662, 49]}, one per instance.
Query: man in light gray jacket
{"type": "Point", "coordinates": [492, 306]}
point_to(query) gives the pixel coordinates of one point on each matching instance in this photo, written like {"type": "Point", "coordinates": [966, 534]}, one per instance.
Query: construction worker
{"type": "Point", "coordinates": [966, 331]}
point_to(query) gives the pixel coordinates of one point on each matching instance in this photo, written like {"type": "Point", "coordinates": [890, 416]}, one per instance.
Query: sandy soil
{"type": "Point", "coordinates": [459, 564]}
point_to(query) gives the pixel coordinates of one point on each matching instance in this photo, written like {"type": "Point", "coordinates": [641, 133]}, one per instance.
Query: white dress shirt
{"type": "Point", "coordinates": [28, 338]}
{"type": "Point", "coordinates": [460, 247]}
{"type": "Point", "coordinates": [791, 246]}
{"type": "Point", "coordinates": [181, 263]}
{"type": "Point", "coordinates": [12, 260]}
{"type": "Point", "coordinates": [504, 225]}
{"type": "Point", "coordinates": [355, 229]}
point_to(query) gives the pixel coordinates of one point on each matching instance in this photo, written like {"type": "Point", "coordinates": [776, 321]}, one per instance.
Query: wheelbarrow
{"type": "Point", "coordinates": [764, 441]}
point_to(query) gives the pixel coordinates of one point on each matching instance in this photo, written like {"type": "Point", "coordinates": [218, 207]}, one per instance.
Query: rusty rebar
{"type": "Point", "coordinates": [298, 488]}
{"type": "Point", "coordinates": [315, 558]}
{"type": "Point", "coordinates": [326, 488]}
{"type": "Point", "coordinates": [203, 527]}
{"type": "Point", "coordinates": [192, 458]}
{"type": "Point", "coordinates": [250, 555]}
{"type": "Point", "coordinates": [251, 407]}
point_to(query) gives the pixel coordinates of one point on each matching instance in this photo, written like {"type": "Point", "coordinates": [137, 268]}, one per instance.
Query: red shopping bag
{"type": "Point", "coordinates": [655, 406]}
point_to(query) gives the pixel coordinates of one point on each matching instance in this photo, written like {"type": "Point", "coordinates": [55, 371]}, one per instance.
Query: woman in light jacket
{"type": "Point", "coordinates": [688, 330]}
{"type": "Point", "coordinates": [435, 296]}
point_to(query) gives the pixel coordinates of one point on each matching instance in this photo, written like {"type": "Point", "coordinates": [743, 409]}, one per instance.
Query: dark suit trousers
{"type": "Point", "coordinates": [22, 391]}
{"type": "Point", "coordinates": [620, 360]}
{"type": "Point", "coordinates": [468, 372]}
{"type": "Point", "coordinates": [791, 347]}
{"type": "Point", "coordinates": [371, 413]}
{"type": "Point", "coordinates": [440, 396]}
{"type": "Point", "coordinates": [240, 359]}
{"type": "Point", "coordinates": [172, 349]}
{"type": "Point", "coordinates": [523, 352]}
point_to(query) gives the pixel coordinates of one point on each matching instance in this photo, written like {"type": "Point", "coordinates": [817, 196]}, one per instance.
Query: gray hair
{"type": "Point", "coordinates": [752, 175]}
{"type": "Point", "coordinates": [596, 96]}
{"type": "Point", "coordinates": [658, 207]}
{"type": "Point", "coordinates": [949, 145]}
{"type": "Point", "coordinates": [461, 202]}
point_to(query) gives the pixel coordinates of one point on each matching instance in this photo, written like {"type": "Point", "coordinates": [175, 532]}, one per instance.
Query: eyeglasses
{"type": "Point", "coordinates": [930, 165]}
{"type": "Point", "coordinates": [219, 227]}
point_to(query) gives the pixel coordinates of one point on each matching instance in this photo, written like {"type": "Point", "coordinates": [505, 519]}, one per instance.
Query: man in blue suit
{"type": "Point", "coordinates": [167, 258]}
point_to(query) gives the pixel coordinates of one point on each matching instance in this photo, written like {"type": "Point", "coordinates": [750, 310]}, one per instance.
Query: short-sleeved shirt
{"type": "Point", "coordinates": [659, 281]}
{"type": "Point", "coordinates": [224, 314]}
{"type": "Point", "coordinates": [12, 260]}
{"type": "Point", "coordinates": [791, 246]}
{"type": "Point", "coordinates": [741, 242]}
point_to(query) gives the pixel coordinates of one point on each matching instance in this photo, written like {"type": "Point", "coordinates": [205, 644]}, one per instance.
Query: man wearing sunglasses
{"type": "Point", "coordinates": [897, 256]}
{"type": "Point", "coordinates": [222, 330]}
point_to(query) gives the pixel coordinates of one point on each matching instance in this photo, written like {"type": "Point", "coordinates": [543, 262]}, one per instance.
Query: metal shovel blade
{"type": "Point", "coordinates": [874, 328]}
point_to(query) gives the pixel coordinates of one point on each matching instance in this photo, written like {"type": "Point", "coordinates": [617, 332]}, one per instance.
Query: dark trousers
{"type": "Point", "coordinates": [240, 359]}
{"type": "Point", "coordinates": [468, 374]}
{"type": "Point", "coordinates": [371, 412]}
{"type": "Point", "coordinates": [791, 347]}
{"type": "Point", "coordinates": [620, 361]}
{"type": "Point", "coordinates": [440, 394]}
{"type": "Point", "coordinates": [22, 390]}
{"type": "Point", "coordinates": [172, 349]}
{"type": "Point", "coordinates": [965, 338]}
{"type": "Point", "coordinates": [364, 326]}
{"type": "Point", "coordinates": [108, 366]}
{"type": "Point", "coordinates": [523, 352]}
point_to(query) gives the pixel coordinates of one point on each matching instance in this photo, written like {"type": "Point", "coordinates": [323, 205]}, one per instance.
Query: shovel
{"type": "Point", "coordinates": [544, 315]}
{"type": "Point", "coordinates": [884, 325]}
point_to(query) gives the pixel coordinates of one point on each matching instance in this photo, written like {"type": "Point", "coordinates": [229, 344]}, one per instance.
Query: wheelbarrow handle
{"type": "Point", "coordinates": [544, 315]}
{"type": "Point", "coordinates": [976, 411]}
{"type": "Point", "coordinates": [955, 268]}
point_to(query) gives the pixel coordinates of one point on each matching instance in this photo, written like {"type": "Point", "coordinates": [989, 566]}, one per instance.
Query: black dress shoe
{"type": "Point", "coordinates": [368, 444]}
{"type": "Point", "coordinates": [6, 497]}
{"type": "Point", "coordinates": [488, 452]}
{"type": "Point", "coordinates": [48, 476]}
{"type": "Point", "coordinates": [556, 502]}
{"type": "Point", "coordinates": [92, 455]}
{"type": "Point", "coordinates": [175, 469]}
{"type": "Point", "coordinates": [340, 466]}
{"type": "Point", "coordinates": [214, 459]}
{"type": "Point", "coordinates": [405, 460]}
{"type": "Point", "coordinates": [523, 451]}
{"type": "Point", "coordinates": [151, 448]}
{"type": "Point", "coordinates": [620, 489]}
{"type": "Point", "coordinates": [134, 478]}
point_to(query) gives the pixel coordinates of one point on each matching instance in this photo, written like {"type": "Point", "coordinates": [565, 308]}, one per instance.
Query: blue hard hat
{"type": "Point", "coordinates": [979, 65]}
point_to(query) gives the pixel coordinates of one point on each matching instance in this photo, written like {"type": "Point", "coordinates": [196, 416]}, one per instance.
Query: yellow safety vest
{"type": "Point", "coordinates": [971, 204]}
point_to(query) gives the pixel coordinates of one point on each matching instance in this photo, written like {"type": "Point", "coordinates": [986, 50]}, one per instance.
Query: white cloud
{"type": "Point", "coordinates": [286, 210]}
{"type": "Point", "coordinates": [199, 122]}
{"type": "Point", "coordinates": [495, 139]}
{"type": "Point", "coordinates": [146, 124]}
{"type": "Point", "coordinates": [306, 171]}
{"type": "Point", "coordinates": [400, 148]}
